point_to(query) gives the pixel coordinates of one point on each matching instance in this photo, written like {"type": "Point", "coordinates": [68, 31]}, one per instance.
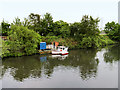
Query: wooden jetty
{"type": "Point", "coordinates": [45, 51]}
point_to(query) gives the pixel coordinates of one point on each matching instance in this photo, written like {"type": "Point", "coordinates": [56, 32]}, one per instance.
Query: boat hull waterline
{"type": "Point", "coordinates": [59, 53]}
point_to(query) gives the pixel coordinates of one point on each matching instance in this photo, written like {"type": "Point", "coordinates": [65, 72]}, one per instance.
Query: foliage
{"type": "Point", "coordinates": [87, 33]}
{"type": "Point", "coordinates": [87, 27]}
{"type": "Point", "coordinates": [61, 28]}
{"type": "Point", "coordinates": [24, 36]}
{"type": "Point", "coordinates": [95, 41]}
{"type": "Point", "coordinates": [49, 39]}
{"type": "Point", "coordinates": [4, 48]}
{"type": "Point", "coordinates": [23, 41]}
{"type": "Point", "coordinates": [5, 28]}
{"type": "Point", "coordinates": [47, 24]}
{"type": "Point", "coordinates": [34, 22]}
{"type": "Point", "coordinates": [75, 30]}
{"type": "Point", "coordinates": [69, 42]}
{"type": "Point", "coordinates": [43, 26]}
{"type": "Point", "coordinates": [17, 22]}
{"type": "Point", "coordinates": [113, 30]}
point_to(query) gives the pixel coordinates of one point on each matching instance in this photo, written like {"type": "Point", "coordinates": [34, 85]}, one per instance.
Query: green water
{"type": "Point", "coordinates": [83, 68]}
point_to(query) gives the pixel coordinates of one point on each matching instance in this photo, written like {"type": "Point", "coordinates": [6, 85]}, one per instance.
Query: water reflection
{"type": "Point", "coordinates": [112, 54]}
{"type": "Point", "coordinates": [22, 68]}
{"type": "Point", "coordinates": [43, 59]}
{"type": "Point", "coordinates": [59, 57]}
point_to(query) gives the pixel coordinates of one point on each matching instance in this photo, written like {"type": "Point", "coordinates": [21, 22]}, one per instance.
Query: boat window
{"type": "Point", "coordinates": [63, 48]}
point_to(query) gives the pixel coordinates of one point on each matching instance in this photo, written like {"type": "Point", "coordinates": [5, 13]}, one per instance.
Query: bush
{"type": "Point", "coordinates": [4, 48]}
{"type": "Point", "coordinates": [22, 41]}
{"type": "Point", "coordinates": [95, 41]}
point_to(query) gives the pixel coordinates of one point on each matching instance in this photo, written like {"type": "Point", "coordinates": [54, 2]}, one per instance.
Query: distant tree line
{"type": "Point", "coordinates": [24, 36]}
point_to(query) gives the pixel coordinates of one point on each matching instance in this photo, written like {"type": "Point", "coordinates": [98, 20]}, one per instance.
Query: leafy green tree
{"type": "Point", "coordinates": [34, 22]}
{"type": "Point", "coordinates": [87, 33]}
{"type": "Point", "coordinates": [113, 30]}
{"type": "Point", "coordinates": [47, 24]}
{"type": "Point", "coordinates": [75, 30]}
{"type": "Point", "coordinates": [5, 28]}
{"type": "Point", "coordinates": [61, 28]}
{"type": "Point", "coordinates": [87, 27]}
{"type": "Point", "coordinates": [23, 41]}
{"type": "Point", "coordinates": [43, 26]}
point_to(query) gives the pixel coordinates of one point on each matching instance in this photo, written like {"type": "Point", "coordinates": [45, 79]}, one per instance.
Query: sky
{"type": "Point", "coordinates": [67, 10]}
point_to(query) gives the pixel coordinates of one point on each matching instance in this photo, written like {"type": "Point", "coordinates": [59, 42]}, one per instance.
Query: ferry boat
{"type": "Point", "coordinates": [61, 50]}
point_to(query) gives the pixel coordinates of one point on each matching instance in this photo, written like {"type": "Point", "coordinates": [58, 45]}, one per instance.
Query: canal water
{"type": "Point", "coordinates": [83, 68]}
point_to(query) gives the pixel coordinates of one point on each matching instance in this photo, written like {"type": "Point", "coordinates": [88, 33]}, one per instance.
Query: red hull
{"type": "Point", "coordinates": [60, 54]}
{"type": "Point", "coordinates": [64, 54]}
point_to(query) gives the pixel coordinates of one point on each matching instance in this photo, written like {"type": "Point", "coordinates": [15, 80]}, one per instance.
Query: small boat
{"type": "Point", "coordinates": [61, 50]}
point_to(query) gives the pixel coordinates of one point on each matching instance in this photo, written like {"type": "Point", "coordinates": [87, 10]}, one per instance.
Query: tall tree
{"type": "Point", "coordinates": [61, 28]}
{"type": "Point", "coordinates": [34, 22]}
{"type": "Point", "coordinates": [47, 24]}
{"type": "Point", "coordinates": [75, 30]}
{"type": "Point", "coordinates": [87, 27]}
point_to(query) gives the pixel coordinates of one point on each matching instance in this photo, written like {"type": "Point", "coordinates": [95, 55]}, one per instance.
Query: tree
{"type": "Point", "coordinates": [47, 24]}
{"type": "Point", "coordinates": [5, 28]}
{"type": "Point", "coordinates": [87, 33]}
{"type": "Point", "coordinates": [113, 30]}
{"type": "Point", "coordinates": [87, 27]}
{"type": "Point", "coordinates": [34, 22]}
{"type": "Point", "coordinates": [75, 30]}
{"type": "Point", "coordinates": [23, 41]}
{"type": "Point", "coordinates": [43, 26]}
{"type": "Point", "coordinates": [61, 28]}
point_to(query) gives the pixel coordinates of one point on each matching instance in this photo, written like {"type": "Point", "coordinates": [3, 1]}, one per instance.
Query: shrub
{"type": "Point", "coordinates": [4, 48]}
{"type": "Point", "coordinates": [95, 41]}
{"type": "Point", "coordinates": [22, 41]}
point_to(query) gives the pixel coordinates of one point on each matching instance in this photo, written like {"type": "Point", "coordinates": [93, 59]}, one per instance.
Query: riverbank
{"type": "Point", "coordinates": [97, 42]}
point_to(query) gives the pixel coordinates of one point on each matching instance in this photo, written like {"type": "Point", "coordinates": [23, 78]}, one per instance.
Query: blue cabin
{"type": "Point", "coordinates": [42, 45]}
